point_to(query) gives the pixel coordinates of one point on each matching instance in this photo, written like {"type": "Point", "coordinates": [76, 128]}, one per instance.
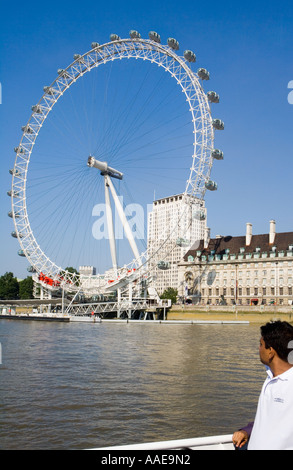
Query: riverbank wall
{"type": "Point", "coordinates": [252, 314]}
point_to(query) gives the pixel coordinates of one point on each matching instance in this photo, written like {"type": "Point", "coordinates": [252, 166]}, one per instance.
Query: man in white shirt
{"type": "Point", "coordinates": [273, 425]}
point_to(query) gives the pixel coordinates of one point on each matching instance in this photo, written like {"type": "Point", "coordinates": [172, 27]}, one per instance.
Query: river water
{"type": "Point", "coordinates": [79, 385]}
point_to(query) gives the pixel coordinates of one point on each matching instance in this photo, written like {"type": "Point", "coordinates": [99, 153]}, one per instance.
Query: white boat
{"type": "Point", "coordinates": [223, 442]}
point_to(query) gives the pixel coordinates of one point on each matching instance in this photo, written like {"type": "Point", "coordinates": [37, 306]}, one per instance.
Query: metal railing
{"type": "Point", "coordinates": [222, 442]}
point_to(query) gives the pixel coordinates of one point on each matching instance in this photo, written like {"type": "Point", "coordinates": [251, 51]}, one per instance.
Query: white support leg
{"type": "Point", "coordinates": [110, 224]}
{"type": "Point", "coordinates": [130, 299]}
{"type": "Point", "coordinates": [119, 302]}
{"type": "Point", "coordinates": [123, 219]}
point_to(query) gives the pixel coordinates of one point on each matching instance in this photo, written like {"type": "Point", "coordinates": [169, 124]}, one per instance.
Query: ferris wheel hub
{"type": "Point", "coordinates": [105, 169]}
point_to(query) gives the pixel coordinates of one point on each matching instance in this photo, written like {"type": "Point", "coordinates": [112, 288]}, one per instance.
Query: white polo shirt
{"type": "Point", "coordinates": [273, 425]}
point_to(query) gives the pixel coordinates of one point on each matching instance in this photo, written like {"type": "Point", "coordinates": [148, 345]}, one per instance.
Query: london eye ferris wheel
{"type": "Point", "coordinates": [110, 129]}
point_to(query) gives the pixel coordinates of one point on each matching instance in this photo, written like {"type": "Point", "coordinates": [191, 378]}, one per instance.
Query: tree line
{"type": "Point", "coordinates": [12, 289]}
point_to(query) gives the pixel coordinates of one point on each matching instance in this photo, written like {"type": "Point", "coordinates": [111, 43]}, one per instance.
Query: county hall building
{"type": "Point", "coordinates": [242, 270]}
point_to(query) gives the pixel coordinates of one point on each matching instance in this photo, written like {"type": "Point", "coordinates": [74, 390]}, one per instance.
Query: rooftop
{"type": "Point", "coordinates": [233, 245]}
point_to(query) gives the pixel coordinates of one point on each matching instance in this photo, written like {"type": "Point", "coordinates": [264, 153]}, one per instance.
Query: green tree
{"type": "Point", "coordinates": [26, 288]}
{"type": "Point", "coordinates": [9, 287]}
{"type": "Point", "coordinates": [72, 270]}
{"type": "Point", "coordinates": [170, 293]}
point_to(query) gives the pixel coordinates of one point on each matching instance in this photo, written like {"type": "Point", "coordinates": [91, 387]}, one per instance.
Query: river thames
{"type": "Point", "coordinates": [80, 386]}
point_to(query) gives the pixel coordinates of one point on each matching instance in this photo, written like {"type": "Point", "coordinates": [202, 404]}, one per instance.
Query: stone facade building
{"type": "Point", "coordinates": [241, 270]}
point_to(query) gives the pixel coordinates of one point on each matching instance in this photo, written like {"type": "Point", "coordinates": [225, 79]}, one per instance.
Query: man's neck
{"type": "Point", "coordinates": [279, 367]}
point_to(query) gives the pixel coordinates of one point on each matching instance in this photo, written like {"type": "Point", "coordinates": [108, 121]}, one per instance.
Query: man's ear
{"type": "Point", "coordinates": [272, 353]}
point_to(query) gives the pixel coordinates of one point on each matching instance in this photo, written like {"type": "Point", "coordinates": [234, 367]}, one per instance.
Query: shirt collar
{"type": "Point", "coordinates": [283, 376]}
{"type": "Point", "coordinates": [269, 372]}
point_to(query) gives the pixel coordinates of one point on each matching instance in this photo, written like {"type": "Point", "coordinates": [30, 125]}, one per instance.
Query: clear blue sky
{"type": "Point", "coordinates": [246, 46]}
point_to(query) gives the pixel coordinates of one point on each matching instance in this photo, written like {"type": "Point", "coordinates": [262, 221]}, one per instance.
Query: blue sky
{"type": "Point", "coordinates": [247, 48]}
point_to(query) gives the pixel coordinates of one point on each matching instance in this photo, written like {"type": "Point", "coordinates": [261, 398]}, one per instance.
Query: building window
{"type": "Point", "coordinates": [256, 291]}
{"type": "Point", "coordinates": [281, 291]}
{"type": "Point", "coordinates": [264, 291]}
{"type": "Point", "coordinates": [272, 290]}
{"type": "Point", "coordinates": [240, 291]}
{"type": "Point", "coordinates": [247, 290]}
{"type": "Point", "coordinates": [289, 290]}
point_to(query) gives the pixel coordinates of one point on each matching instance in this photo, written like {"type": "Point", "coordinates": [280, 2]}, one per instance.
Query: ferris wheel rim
{"type": "Point", "coordinates": [162, 56]}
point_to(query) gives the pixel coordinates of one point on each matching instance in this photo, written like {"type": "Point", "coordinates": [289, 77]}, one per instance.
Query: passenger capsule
{"type": "Point", "coordinates": [154, 36]}
{"type": "Point", "coordinates": [211, 185]}
{"type": "Point", "coordinates": [16, 214]}
{"type": "Point", "coordinates": [203, 74]}
{"type": "Point", "coordinates": [114, 37]}
{"type": "Point", "coordinates": [199, 215]}
{"type": "Point", "coordinates": [31, 269]}
{"type": "Point", "coordinates": [37, 109]}
{"type": "Point", "coordinates": [12, 193]}
{"type": "Point", "coordinates": [217, 154]}
{"type": "Point", "coordinates": [15, 172]}
{"type": "Point", "coordinates": [134, 34]}
{"type": "Point", "coordinates": [14, 235]}
{"type": "Point", "coordinates": [27, 129]}
{"type": "Point", "coordinates": [78, 58]}
{"type": "Point", "coordinates": [19, 150]}
{"type": "Point", "coordinates": [21, 253]}
{"type": "Point", "coordinates": [63, 73]}
{"type": "Point", "coordinates": [189, 56]}
{"type": "Point", "coordinates": [213, 97]}
{"type": "Point", "coordinates": [163, 265]}
{"type": "Point", "coordinates": [48, 90]}
{"type": "Point", "coordinates": [218, 124]}
{"type": "Point", "coordinates": [173, 44]}
{"type": "Point", "coordinates": [182, 242]}
{"type": "Point", "coordinates": [95, 45]}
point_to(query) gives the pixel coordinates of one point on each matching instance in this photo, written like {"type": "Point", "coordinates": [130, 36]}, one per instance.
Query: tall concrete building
{"type": "Point", "coordinates": [176, 221]}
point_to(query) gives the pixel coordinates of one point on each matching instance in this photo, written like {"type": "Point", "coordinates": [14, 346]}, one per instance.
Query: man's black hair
{"type": "Point", "coordinates": [277, 335]}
